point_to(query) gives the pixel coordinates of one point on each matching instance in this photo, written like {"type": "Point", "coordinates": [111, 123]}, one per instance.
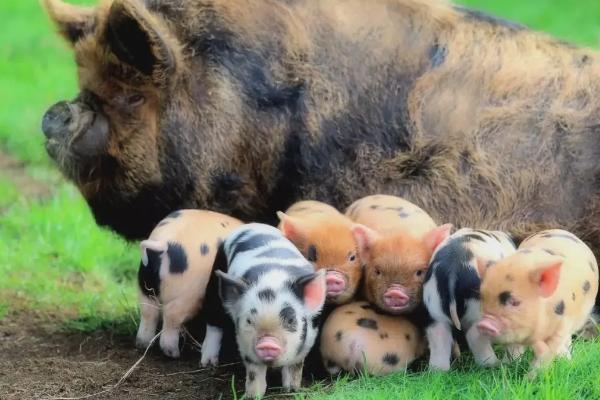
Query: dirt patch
{"type": "Point", "coordinates": [39, 363]}
{"type": "Point", "coordinates": [14, 170]}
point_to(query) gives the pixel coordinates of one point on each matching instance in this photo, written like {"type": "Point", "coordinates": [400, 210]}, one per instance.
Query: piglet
{"type": "Point", "coordinates": [395, 240]}
{"type": "Point", "coordinates": [324, 236]}
{"type": "Point", "coordinates": [356, 338]}
{"type": "Point", "coordinates": [177, 260]}
{"type": "Point", "coordinates": [541, 295]}
{"type": "Point", "coordinates": [451, 293]}
{"type": "Point", "coordinates": [273, 296]}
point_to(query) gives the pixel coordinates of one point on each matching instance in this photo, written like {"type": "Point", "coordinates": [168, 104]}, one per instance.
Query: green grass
{"type": "Point", "coordinates": [56, 261]}
{"type": "Point", "coordinates": [563, 380]}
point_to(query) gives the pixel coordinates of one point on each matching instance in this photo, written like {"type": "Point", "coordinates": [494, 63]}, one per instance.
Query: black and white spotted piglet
{"type": "Point", "coordinates": [273, 296]}
{"type": "Point", "coordinates": [451, 292]}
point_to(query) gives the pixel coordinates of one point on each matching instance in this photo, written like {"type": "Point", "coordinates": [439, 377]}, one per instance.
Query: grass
{"type": "Point", "coordinates": [56, 261]}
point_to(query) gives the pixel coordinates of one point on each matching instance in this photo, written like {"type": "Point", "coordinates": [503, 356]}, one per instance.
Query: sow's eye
{"type": "Point", "coordinates": [135, 100]}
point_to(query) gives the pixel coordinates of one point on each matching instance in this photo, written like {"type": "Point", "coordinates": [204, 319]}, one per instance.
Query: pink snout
{"type": "Point", "coordinates": [490, 326]}
{"type": "Point", "coordinates": [396, 298]}
{"type": "Point", "coordinates": [336, 284]}
{"type": "Point", "coordinates": [267, 348]}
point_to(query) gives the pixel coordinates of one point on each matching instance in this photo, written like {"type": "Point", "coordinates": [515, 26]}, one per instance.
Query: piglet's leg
{"type": "Point", "coordinates": [292, 376]}
{"type": "Point", "coordinates": [149, 313]}
{"type": "Point", "coordinates": [439, 336]}
{"type": "Point", "coordinates": [211, 346]}
{"type": "Point", "coordinates": [256, 380]}
{"type": "Point", "coordinates": [546, 351]}
{"type": "Point", "coordinates": [481, 347]}
{"type": "Point", "coordinates": [175, 313]}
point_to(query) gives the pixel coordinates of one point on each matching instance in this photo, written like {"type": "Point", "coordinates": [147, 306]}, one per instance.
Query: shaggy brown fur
{"type": "Point", "coordinates": [251, 105]}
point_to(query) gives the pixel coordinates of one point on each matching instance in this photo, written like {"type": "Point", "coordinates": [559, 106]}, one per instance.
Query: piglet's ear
{"type": "Point", "coordinates": [364, 238]}
{"type": "Point", "coordinates": [291, 229]}
{"type": "Point", "coordinates": [230, 288]}
{"type": "Point", "coordinates": [141, 40]}
{"type": "Point", "coordinates": [436, 236]}
{"type": "Point", "coordinates": [73, 22]}
{"type": "Point", "coordinates": [312, 288]}
{"type": "Point", "coordinates": [158, 246]}
{"type": "Point", "coordinates": [546, 276]}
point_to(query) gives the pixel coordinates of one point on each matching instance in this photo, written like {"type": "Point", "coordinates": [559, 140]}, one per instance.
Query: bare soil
{"type": "Point", "coordinates": [38, 362]}
{"type": "Point", "coordinates": [15, 171]}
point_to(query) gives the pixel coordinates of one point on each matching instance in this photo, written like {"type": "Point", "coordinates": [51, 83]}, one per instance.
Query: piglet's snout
{"type": "Point", "coordinates": [489, 326]}
{"type": "Point", "coordinates": [336, 283]}
{"type": "Point", "coordinates": [267, 348]}
{"type": "Point", "coordinates": [396, 297]}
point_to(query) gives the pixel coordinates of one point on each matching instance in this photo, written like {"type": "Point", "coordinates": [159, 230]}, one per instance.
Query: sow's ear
{"type": "Point", "coordinates": [546, 276]}
{"type": "Point", "coordinates": [139, 39]}
{"type": "Point", "coordinates": [312, 289]}
{"type": "Point", "coordinates": [73, 22]}
{"type": "Point", "coordinates": [230, 288]}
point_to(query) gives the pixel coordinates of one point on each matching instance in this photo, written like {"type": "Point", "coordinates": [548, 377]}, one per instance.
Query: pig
{"type": "Point", "coordinates": [451, 293]}
{"type": "Point", "coordinates": [395, 241]}
{"type": "Point", "coordinates": [273, 296]}
{"type": "Point", "coordinates": [541, 295]}
{"type": "Point", "coordinates": [324, 236]}
{"type": "Point", "coordinates": [245, 107]}
{"type": "Point", "coordinates": [176, 265]}
{"type": "Point", "coordinates": [357, 338]}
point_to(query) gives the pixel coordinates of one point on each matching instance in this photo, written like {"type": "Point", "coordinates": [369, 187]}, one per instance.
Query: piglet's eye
{"type": "Point", "coordinates": [135, 100]}
{"type": "Point", "coordinates": [352, 257]}
{"type": "Point", "coordinates": [248, 321]}
{"type": "Point", "coordinates": [377, 271]}
{"type": "Point", "coordinates": [420, 273]}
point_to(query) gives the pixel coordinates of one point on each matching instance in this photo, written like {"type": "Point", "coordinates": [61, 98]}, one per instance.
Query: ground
{"type": "Point", "coordinates": [67, 295]}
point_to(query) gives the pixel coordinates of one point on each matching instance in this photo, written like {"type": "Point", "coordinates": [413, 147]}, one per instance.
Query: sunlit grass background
{"type": "Point", "coordinates": [57, 263]}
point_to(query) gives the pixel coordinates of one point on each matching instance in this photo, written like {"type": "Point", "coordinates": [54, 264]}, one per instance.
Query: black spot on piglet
{"type": "Point", "coordinates": [204, 249]}
{"type": "Point", "coordinates": [266, 295]}
{"type": "Point", "coordinates": [367, 323]}
{"type": "Point", "coordinates": [586, 286]}
{"type": "Point", "coordinates": [177, 258]}
{"type": "Point", "coordinates": [383, 335]}
{"type": "Point", "coordinates": [338, 335]}
{"type": "Point", "coordinates": [560, 308]}
{"type": "Point", "coordinates": [391, 359]}
{"type": "Point", "coordinates": [251, 376]}
{"type": "Point", "coordinates": [311, 253]}
{"type": "Point", "coordinates": [174, 214]}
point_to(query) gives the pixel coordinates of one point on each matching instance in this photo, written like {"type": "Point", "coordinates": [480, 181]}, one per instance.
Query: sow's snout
{"type": "Point", "coordinates": [75, 127]}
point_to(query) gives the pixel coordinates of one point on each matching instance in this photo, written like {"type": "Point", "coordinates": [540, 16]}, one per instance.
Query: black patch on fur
{"type": "Point", "coordinates": [204, 249]}
{"type": "Point", "coordinates": [391, 359]}
{"type": "Point", "coordinates": [456, 280]}
{"type": "Point", "coordinates": [288, 318]}
{"type": "Point", "coordinates": [481, 17]}
{"type": "Point", "coordinates": [251, 376]}
{"type": "Point", "coordinates": [383, 335]}
{"type": "Point", "coordinates": [349, 312]}
{"type": "Point", "coordinates": [249, 241]}
{"type": "Point", "coordinates": [316, 321]}
{"type": "Point", "coordinates": [473, 236]}
{"type": "Point", "coordinates": [407, 336]}
{"type": "Point", "coordinates": [367, 323]}
{"type": "Point", "coordinates": [559, 309]}
{"type": "Point", "coordinates": [437, 55]}
{"type": "Point", "coordinates": [552, 253]}
{"type": "Point", "coordinates": [504, 297]}
{"type": "Point", "coordinates": [403, 214]}
{"type": "Point", "coordinates": [586, 286]}
{"type": "Point", "coordinates": [149, 275]}
{"type": "Point", "coordinates": [223, 224]}
{"type": "Point", "coordinates": [592, 266]}
{"type": "Point", "coordinates": [303, 335]}
{"type": "Point", "coordinates": [162, 223]}
{"type": "Point", "coordinates": [253, 311]}
{"type": "Point", "coordinates": [266, 295]}
{"type": "Point", "coordinates": [573, 297]}
{"type": "Point", "coordinates": [247, 360]}
{"type": "Point", "coordinates": [338, 335]}
{"type": "Point", "coordinates": [177, 258]}
{"type": "Point", "coordinates": [311, 253]}
{"type": "Point", "coordinates": [374, 207]}
{"type": "Point", "coordinates": [254, 273]}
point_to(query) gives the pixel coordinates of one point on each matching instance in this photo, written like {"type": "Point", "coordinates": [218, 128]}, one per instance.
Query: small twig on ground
{"type": "Point", "coordinates": [120, 381]}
